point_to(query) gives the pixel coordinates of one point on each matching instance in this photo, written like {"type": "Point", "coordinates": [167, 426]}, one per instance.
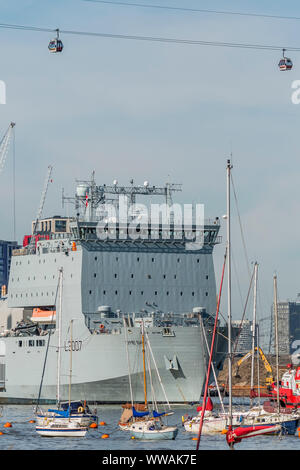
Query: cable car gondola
{"type": "Point", "coordinates": [56, 45]}
{"type": "Point", "coordinates": [285, 63]}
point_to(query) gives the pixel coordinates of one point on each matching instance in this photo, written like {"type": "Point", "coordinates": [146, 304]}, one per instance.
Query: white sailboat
{"type": "Point", "coordinates": [258, 416]}
{"type": "Point", "coordinates": [252, 426]}
{"type": "Point", "coordinates": [57, 422]}
{"type": "Point", "coordinates": [144, 426]}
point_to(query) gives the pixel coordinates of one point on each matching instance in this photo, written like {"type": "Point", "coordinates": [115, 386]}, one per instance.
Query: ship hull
{"type": "Point", "coordinates": [100, 369]}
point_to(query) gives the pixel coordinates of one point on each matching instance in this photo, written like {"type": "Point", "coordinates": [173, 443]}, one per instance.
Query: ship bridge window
{"type": "Point", "coordinates": [20, 343]}
{"type": "Point", "coordinates": [31, 342]}
{"type": "Point", "coordinates": [60, 226]}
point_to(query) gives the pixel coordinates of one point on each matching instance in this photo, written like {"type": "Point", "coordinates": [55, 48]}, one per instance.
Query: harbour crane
{"type": "Point", "coordinates": [4, 145]}
{"type": "Point", "coordinates": [40, 210]}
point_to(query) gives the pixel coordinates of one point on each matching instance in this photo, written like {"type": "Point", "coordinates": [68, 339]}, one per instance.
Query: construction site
{"type": "Point", "coordinates": [264, 373]}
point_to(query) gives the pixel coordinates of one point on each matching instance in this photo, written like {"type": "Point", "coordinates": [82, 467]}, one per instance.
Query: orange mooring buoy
{"type": "Point", "coordinates": [7, 425]}
{"type": "Point", "coordinates": [32, 421]}
{"type": "Point", "coordinates": [298, 429]}
{"type": "Point", "coordinates": [105, 436]}
{"type": "Point", "coordinates": [93, 425]}
{"type": "Point", "coordinates": [102, 423]}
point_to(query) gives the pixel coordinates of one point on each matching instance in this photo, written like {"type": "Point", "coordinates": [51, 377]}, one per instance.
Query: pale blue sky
{"type": "Point", "coordinates": [157, 111]}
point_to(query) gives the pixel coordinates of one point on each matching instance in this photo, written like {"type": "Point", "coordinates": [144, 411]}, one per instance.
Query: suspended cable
{"type": "Point", "coordinates": [241, 228]}
{"type": "Point", "coordinates": [152, 38]}
{"type": "Point", "coordinates": [195, 10]}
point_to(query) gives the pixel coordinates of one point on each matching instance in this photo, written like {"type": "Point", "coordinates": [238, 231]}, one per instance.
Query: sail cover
{"type": "Point", "coordinates": [139, 414]}
{"type": "Point", "coordinates": [157, 415]}
{"type": "Point", "coordinates": [62, 413]}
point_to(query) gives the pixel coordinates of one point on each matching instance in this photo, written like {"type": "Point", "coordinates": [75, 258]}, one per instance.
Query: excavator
{"type": "Point", "coordinates": [269, 378]}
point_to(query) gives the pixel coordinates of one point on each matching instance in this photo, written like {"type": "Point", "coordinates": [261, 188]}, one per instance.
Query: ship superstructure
{"type": "Point", "coordinates": [118, 269]}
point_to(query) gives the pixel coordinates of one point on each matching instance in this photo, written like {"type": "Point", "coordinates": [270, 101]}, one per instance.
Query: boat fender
{"type": "Point", "coordinates": [80, 409]}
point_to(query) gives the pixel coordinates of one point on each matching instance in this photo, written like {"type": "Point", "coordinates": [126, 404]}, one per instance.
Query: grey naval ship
{"type": "Point", "coordinates": [114, 277]}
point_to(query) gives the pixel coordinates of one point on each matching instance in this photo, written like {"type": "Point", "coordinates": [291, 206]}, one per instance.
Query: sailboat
{"type": "Point", "coordinates": [259, 425]}
{"type": "Point", "coordinates": [149, 425]}
{"type": "Point", "coordinates": [259, 416]}
{"type": "Point", "coordinates": [63, 421]}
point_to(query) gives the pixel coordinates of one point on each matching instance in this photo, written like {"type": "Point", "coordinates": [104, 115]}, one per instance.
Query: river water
{"type": "Point", "coordinates": [23, 436]}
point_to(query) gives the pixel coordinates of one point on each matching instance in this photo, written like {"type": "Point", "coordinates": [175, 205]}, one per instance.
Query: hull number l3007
{"type": "Point", "coordinates": [75, 345]}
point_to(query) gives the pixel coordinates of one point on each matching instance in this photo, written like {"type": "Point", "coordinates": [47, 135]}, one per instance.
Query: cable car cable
{"type": "Point", "coordinates": [194, 10]}
{"type": "Point", "coordinates": [152, 38]}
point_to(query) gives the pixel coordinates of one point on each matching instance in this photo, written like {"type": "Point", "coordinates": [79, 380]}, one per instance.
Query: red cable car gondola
{"type": "Point", "coordinates": [285, 63]}
{"type": "Point", "coordinates": [56, 45]}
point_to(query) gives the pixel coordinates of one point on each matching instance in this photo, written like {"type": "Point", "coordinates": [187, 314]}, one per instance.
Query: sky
{"type": "Point", "coordinates": [161, 112]}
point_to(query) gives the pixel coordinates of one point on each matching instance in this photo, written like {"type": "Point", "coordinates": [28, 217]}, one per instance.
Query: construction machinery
{"type": "Point", "coordinates": [269, 378]}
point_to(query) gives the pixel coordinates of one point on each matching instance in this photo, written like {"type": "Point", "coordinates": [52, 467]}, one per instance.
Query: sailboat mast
{"type": "Point", "coordinates": [229, 167]}
{"type": "Point", "coordinates": [254, 328]}
{"type": "Point", "coordinates": [59, 326]}
{"type": "Point", "coordinates": [70, 373]}
{"type": "Point", "coordinates": [128, 361]}
{"type": "Point", "coordinates": [144, 363]}
{"type": "Point", "coordinates": [276, 341]}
